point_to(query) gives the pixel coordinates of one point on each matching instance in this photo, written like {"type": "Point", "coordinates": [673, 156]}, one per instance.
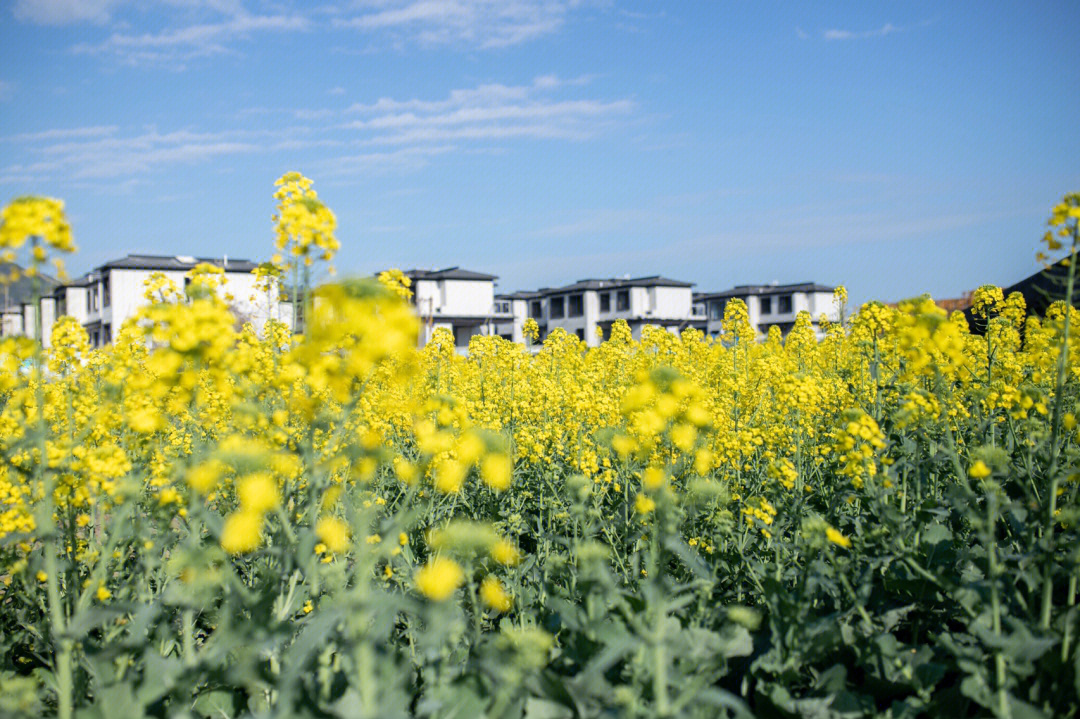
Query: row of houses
{"type": "Point", "coordinates": [460, 300]}
{"type": "Point", "coordinates": [465, 303]}
{"type": "Point", "coordinates": [107, 296]}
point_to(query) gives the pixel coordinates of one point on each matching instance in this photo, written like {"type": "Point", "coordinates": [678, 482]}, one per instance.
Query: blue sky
{"type": "Point", "coordinates": [894, 147]}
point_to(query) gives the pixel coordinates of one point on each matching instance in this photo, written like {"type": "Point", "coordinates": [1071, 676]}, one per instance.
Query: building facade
{"type": "Point", "coordinates": [16, 298]}
{"type": "Point", "coordinates": [459, 300]}
{"type": "Point", "coordinates": [589, 307]}
{"type": "Point", "coordinates": [769, 305]}
{"type": "Point", "coordinates": [107, 296]}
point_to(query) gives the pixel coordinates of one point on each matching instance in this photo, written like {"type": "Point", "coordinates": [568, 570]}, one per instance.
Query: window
{"type": "Point", "coordinates": [502, 306]}
{"type": "Point", "coordinates": [783, 305]}
{"type": "Point", "coordinates": [89, 301]}
{"type": "Point", "coordinates": [462, 335]}
{"type": "Point", "coordinates": [576, 306]}
{"type": "Point", "coordinates": [605, 302]}
{"type": "Point", "coordinates": [105, 299]}
{"type": "Point", "coordinates": [622, 300]}
{"type": "Point", "coordinates": [580, 333]}
{"type": "Point", "coordinates": [106, 335]}
{"type": "Point", "coordinates": [555, 308]}
{"type": "Point", "coordinates": [766, 305]}
{"type": "Point", "coordinates": [536, 309]}
{"type": "Point", "coordinates": [716, 310]}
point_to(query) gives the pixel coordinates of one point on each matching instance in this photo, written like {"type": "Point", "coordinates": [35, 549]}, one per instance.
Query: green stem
{"type": "Point", "coordinates": [64, 646]}
{"type": "Point", "coordinates": [188, 637]}
{"type": "Point", "coordinates": [995, 602]}
{"type": "Point", "coordinates": [1055, 433]}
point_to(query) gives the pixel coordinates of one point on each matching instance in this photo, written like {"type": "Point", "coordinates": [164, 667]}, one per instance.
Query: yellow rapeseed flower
{"type": "Point", "coordinates": [505, 553]}
{"type": "Point", "coordinates": [644, 504]}
{"type": "Point", "coordinates": [450, 475]}
{"type": "Point", "coordinates": [242, 532]}
{"type": "Point", "coordinates": [837, 538]}
{"type": "Point", "coordinates": [652, 478]}
{"type": "Point", "coordinates": [257, 492]}
{"type": "Point", "coordinates": [496, 471]}
{"type": "Point", "coordinates": [494, 595]}
{"type": "Point", "coordinates": [439, 579]}
{"type": "Point", "coordinates": [334, 533]}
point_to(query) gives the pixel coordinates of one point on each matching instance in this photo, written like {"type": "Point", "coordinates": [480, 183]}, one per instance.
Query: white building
{"type": "Point", "coordinates": [16, 299]}
{"type": "Point", "coordinates": [459, 300]}
{"type": "Point", "coordinates": [107, 296]}
{"type": "Point", "coordinates": [586, 305]}
{"type": "Point", "coordinates": [769, 305]}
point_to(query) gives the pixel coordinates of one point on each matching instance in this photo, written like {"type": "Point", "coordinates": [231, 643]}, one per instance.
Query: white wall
{"type": "Point", "coordinates": [48, 318]}
{"type": "Point", "coordinates": [11, 323]}
{"type": "Point", "coordinates": [127, 288]}
{"type": "Point", "coordinates": [75, 299]}
{"type": "Point", "coordinates": [468, 297]}
{"type": "Point", "coordinates": [672, 302]}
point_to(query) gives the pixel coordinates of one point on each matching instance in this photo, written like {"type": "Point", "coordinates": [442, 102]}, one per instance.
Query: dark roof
{"type": "Point", "coordinates": [522, 295]}
{"type": "Point", "coordinates": [1039, 290]}
{"type": "Point", "coordinates": [449, 273]}
{"type": "Point", "coordinates": [1043, 288]}
{"type": "Point", "coordinates": [84, 281]}
{"type": "Point", "coordinates": [614, 283]}
{"type": "Point", "coordinates": [176, 262]}
{"type": "Point", "coordinates": [22, 289]}
{"type": "Point", "coordinates": [746, 290]}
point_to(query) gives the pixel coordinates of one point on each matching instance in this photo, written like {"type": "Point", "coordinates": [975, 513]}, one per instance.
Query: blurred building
{"type": "Point", "coordinates": [459, 300]}
{"type": "Point", "coordinates": [591, 305]}
{"type": "Point", "coordinates": [772, 305]}
{"type": "Point", "coordinates": [107, 296]}
{"type": "Point", "coordinates": [16, 299]}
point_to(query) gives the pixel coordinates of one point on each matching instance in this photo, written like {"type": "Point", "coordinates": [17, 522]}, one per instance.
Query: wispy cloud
{"type": "Point", "coordinates": [405, 159]}
{"type": "Point", "coordinates": [100, 153]}
{"type": "Point", "coordinates": [61, 133]}
{"type": "Point", "coordinates": [173, 32]}
{"type": "Point", "coordinates": [488, 112]}
{"type": "Point", "coordinates": [883, 31]}
{"type": "Point", "coordinates": [474, 23]}
{"type": "Point", "coordinates": [62, 12]}
{"type": "Point", "coordinates": [388, 134]}
{"type": "Point", "coordinates": [176, 46]}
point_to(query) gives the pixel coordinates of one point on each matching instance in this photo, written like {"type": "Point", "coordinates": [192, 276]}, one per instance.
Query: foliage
{"type": "Point", "coordinates": [205, 522]}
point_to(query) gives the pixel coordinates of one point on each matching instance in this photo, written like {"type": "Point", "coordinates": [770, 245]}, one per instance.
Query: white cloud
{"type": "Point", "coordinates": [62, 12]}
{"type": "Point", "coordinates": [405, 159]}
{"type": "Point", "coordinates": [387, 134]}
{"type": "Point", "coordinates": [486, 112]}
{"type": "Point", "coordinates": [61, 133]}
{"type": "Point", "coordinates": [191, 41]}
{"type": "Point", "coordinates": [886, 29]}
{"type": "Point", "coordinates": [101, 153]}
{"type": "Point", "coordinates": [479, 23]}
